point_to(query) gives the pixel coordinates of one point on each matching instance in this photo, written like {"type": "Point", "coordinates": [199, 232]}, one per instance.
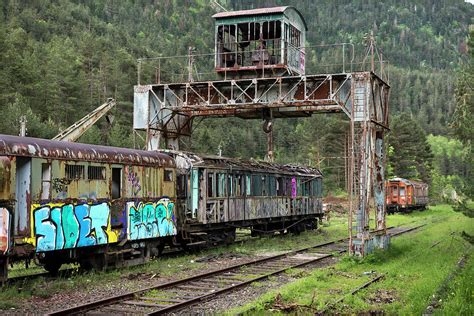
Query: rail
{"type": "Point", "coordinates": [175, 295]}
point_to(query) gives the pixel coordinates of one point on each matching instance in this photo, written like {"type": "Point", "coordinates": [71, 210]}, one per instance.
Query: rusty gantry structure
{"type": "Point", "coordinates": [260, 62]}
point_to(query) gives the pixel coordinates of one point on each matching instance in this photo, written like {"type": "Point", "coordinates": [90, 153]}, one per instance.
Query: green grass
{"type": "Point", "coordinates": [460, 295]}
{"type": "Point", "coordinates": [414, 267]}
{"type": "Point", "coordinates": [183, 265]}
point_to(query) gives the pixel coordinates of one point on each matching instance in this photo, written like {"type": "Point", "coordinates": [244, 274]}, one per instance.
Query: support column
{"type": "Point", "coordinates": [367, 171]}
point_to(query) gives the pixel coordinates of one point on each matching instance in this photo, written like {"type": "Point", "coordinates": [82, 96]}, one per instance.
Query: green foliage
{"type": "Point", "coordinates": [61, 59]}
{"type": "Point", "coordinates": [464, 114]}
{"type": "Point", "coordinates": [450, 168]}
{"type": "Point", "coordinates": [410, 156]}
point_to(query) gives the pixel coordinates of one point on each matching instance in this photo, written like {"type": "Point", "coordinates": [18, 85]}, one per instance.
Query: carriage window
{"type": "Point", "coordinates": [248, 185]}
{"type": "Point", "coordinates": [168, 175]}
{"type": "Point", "coordinates": [402, 191]}
{"type": "Point", "coordinates": [95, 173]}
{"type": "Point", "coordinates": [74, 172]}
{"type": "Point", "coordinates": [45, 180]}
{"type": "Point", "coordinates": [221, 190]}
{"type": "Point", "coordinates": [256, 185]}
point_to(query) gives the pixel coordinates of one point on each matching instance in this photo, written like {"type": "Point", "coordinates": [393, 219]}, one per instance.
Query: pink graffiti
{"type": "Point", "coordinates": [293, 187]}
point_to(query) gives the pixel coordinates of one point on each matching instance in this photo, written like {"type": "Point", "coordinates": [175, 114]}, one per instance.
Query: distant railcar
{"type": "Point", "coordinates": [404, 195]}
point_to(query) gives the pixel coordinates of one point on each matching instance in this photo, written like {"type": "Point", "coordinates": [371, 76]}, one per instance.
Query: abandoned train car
{"type": "Point", "coordinates": [219, 194]}
{"type": "Point", "coordinates": [69, 202]}
{"type": "Point", "coordinates": [404, 195]}
{"type": "Point", "coordinates": [103, 206]}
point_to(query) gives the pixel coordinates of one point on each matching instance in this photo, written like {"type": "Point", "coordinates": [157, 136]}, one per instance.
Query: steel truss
{"type": "Point", "coordinates": [166, 113]}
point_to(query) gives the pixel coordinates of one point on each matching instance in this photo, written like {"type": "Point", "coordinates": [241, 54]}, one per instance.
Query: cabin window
{"type": "Point", "coordinates": [95, 173]}
{"type": "Point", "coordinates": [168, 175]}
{"type": "Point", "coordinates": [402, 191]}
{"type": "Point", "coordinates": [74, 172]}
{"type": "Point", "coordinates": [45, 180]}
{"type": "Point", "coordinates": [116, 183]}
{"type": "Point", "coordinates": [249, 43]}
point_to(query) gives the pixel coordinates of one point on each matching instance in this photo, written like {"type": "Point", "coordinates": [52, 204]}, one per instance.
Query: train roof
{"type": "Point", "coordinates": [186, 160]}
{"type": "Point", "coordinates": [52, 149]}
{"type": "Point", "coordinates": [406, 181]}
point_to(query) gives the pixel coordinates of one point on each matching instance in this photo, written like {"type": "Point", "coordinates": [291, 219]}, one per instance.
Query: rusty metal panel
{"type": "Point", "coordinates": [5, 178]}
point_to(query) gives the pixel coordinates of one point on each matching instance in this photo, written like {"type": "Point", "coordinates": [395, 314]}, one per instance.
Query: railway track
{"type": "Point", "coordinates": [175, 295]}
{"type": "Point", "coordinates": [68, 272]}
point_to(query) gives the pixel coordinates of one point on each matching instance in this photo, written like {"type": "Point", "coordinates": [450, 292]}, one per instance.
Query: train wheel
{"type": "Point", "coordinates": [3, 269]}
{"type": "Point", "coordinates": [52, 267]}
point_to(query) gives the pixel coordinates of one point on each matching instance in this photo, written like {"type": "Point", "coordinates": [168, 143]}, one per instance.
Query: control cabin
{"type": "Point", "coordinates": [268, 41]}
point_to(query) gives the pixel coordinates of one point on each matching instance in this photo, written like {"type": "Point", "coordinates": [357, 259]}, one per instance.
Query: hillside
{"type": "Point", "coordinates": [60, 59]}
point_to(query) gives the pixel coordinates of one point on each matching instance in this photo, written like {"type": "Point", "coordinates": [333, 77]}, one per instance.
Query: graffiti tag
{"type": "Point", "coordinates": [65, 226]}
{"type": "Point", "coordinates": [60, 185]}
{"type": "Point", "coordinates": [134, 181]}
{"type": "Point", "coordinates": [151, 219]}
{"type": "Point", "coordinates": [5, 218]}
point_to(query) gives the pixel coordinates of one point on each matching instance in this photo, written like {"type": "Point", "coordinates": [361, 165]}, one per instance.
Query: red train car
{"type": "Point", "coordinates": [404, 195]}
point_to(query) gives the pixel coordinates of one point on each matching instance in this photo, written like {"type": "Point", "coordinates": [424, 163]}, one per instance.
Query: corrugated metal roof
{"type": "Point", "coordinates": [260, 11]}
{"type": "Point", "coordinates": [45, 148]}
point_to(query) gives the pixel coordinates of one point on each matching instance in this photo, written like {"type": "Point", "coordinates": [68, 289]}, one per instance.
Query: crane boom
{"type": "Point", "coordinates": [73, 132]}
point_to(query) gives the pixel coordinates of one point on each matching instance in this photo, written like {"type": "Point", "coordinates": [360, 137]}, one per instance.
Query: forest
{"type": "Point", "coordinates": [62, 59]}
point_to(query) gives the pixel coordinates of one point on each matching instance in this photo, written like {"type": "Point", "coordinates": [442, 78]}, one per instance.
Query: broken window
{"type": "Point", "coordinates": [168, 175]}
{"type": "Point", "coordinates": [210, 184]}
{"type": "Point", "coordinates": [45, 180]}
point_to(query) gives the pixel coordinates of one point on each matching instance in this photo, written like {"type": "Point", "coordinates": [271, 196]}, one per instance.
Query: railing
{"type": "Point", "coordinates": [317, 59]}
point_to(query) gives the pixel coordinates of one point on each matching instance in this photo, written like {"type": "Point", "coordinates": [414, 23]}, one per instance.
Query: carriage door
{"type": "Point", "coordinates": [23, 191]}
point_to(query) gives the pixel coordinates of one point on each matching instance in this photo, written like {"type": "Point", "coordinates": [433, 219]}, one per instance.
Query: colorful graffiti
{"type": "Point", "coordinates": [134, 181]}
{"type": "Point", "coordinates": [5, 218]}
{"type": "Point", "coordinates": [65, 226]}
{"type": "Point", "coordinates": [293, 188]}
{"type": "Point", "coordinates": [151, 219]}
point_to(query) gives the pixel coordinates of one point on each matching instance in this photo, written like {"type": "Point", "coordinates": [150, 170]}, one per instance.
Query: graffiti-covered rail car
{"type": "Point", "coordinates": [68, 202]}
{"type": "Point", "coordinates": [404, 195]}
{"type": "Point", "coordinates": [218, 194]}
